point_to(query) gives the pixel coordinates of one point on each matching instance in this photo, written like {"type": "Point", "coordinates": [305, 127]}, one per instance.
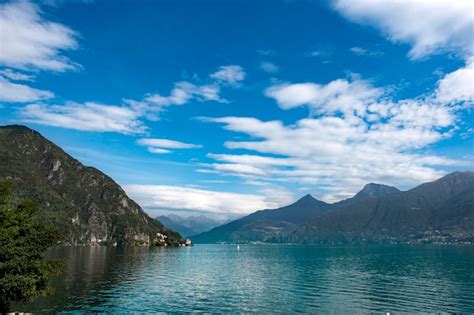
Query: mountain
{"type": "Point", "coordinates": [440, 211]}
{"type": "Point", "coordinates": [84, 203]}
{"type": "Point", "coordinates": [174, 222]}
{"type": "Point", "coordinates": [266, 225]}
{"type": "Point", "coordinates": [373, 190]}
{"type": "Point", "coordinates": [189, 226]}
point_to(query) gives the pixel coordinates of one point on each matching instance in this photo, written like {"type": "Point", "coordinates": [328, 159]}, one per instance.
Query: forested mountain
{"type": "Point", "coordinates": [84, 203]}
{"type": "Point", "coordinates": [439, 211]}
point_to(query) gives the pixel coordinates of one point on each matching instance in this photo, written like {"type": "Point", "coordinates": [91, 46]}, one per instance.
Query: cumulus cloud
{"type": "Point", "coordinates": [360, 135]}
{"type": "Point", "coordinates": [163, 197]}
{"type": "Point", "coordinates": [19, 93]}
{"type": "Point", "coordinates": [231, 75]}
{"type": "Point", "coordinates": [28, 41]}
{"type": "Point", "coordinates": [332, 151]}
{"type": "Point", "coordinates": [457, 86]}
{"type": "Point", "coordinates": [430, 27]}
{"type": "Point", "coordinates": [336, 96]}
{"type": "Point", "coordinates": [87, 117]}
{"type": "Point", "coordinates": [161, 146]}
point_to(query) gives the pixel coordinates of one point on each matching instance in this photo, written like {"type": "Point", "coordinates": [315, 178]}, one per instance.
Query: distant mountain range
{"type": "Point", "coordinates": [437, 212]}
{"type": "Point", "coordinates": [189, 226]}
{"type": "Point", "coordinates": [84, 203]}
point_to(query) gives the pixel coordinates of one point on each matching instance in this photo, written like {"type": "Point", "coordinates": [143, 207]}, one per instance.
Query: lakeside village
{"type": "Point", "coordinates": [160, 241]}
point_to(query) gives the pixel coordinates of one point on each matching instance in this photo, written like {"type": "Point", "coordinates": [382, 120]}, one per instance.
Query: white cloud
{"type": "Point", "coordinates": [186, 198]}
{"type": "Point", "coordinates": [28, 41]}
{"type": "Point", "coordinates": [88, 117]}
{"type": "Point", "coordinates": [334, 152]}
{"type": "Point", "coordinates": [336, 96]}
{"type": "Point", "coordinates": [16, 76]}
{"type": "Point", "coordinates": [457, 86]}
{"type": "Point", "coordinates": [158, 150]}
{"type": "Point", "coordinates": [167, 144]}
{"type": "Point", "coordinates": [183, 92]}
{"type": "Point", "coordinates": [365, 52]}
{"type": "Point", "coordinates": [18, 93]}
{"type": "Point", "coordinates": [429, 26]}
{"type": "Point", "coordinates": [231, 75]}
{"type": "Point", "coordinates": [361, 135]}
{"type": "Point", "coordinates": [269, 67]}
{"type": "Point", "coordinates": [161, 146]}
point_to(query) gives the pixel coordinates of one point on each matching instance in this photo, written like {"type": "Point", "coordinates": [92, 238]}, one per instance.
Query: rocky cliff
{"type": "Point", "coordinates": [84, 203]}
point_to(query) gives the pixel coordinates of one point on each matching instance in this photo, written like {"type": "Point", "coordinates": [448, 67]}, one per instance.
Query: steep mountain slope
{"type": "Point", "coordinates": [438, 211]}
{"type": "Point", "coordinates": [266, 225]}
{"type": "Point", "coordinates": [402, 216]}
{"type": "Point", "coordinates": [374, 191]}
{"type": "Point", "coordinates": [84, 203]}
{"type": "Point", "coordinates": [189, 226]}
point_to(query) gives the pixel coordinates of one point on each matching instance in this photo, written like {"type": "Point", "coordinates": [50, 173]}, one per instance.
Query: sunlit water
{"type": "Point", "coordinates": [264, 279]}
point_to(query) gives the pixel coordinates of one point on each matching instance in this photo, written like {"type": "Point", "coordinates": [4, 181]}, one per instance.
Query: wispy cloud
{"type": "Point", "coordinates": [161, 146]}
{"type": "Point", "coordinates": [231, 75]}
{"type": "Point", "coordinates": [429, 26]}
{"type": "Point", "coordinates": [16, 76]}
{"type": "Point", "coordinates": [86, 117]}
{"type": "Point", "coordinates": [19, 93]}
{"type": "Point", "coordinates": [186, 198]}
{"type": "Point", "coordinates": [269, 67]}
{"type": "Point", "coordinates": [358, 135]}
{"type": "Point", "coordinates": [183, 92]}
{"type": "Point", "coordinates": [31, 42]}
{"type": "Point", "coordinates": [365, 52]}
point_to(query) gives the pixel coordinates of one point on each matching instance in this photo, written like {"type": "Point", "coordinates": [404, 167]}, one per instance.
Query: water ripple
{"type": "Point", "coordinates": [263, 279]}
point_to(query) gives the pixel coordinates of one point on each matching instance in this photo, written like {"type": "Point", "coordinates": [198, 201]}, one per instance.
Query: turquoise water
{"type": "Point", "coordinates": [264, 279]}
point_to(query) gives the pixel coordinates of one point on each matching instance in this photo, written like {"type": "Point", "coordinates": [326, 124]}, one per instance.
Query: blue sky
{"type": "Point", "coordinates": [227, 107]}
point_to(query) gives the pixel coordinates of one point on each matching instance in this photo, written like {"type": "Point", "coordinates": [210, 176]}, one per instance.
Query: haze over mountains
{"type": "Point", "coordinates": [84, 203]}
{"type": "Point", "coordinates": [189, 226]}
{"type": "Point", "coordinates": [441, 211]}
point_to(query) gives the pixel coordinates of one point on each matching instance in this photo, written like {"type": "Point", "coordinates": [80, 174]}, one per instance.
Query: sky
{"type": "Point", "coordinates": [223, 108]}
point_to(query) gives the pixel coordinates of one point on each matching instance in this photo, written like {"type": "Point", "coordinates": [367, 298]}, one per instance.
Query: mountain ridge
{"type": "Point", "coordinates": [377, 213]}
{"type": "Point", "coordinates": [86, 205]}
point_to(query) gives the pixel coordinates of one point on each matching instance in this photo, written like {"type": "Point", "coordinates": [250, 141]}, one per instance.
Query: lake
{"type": "Point", "coordinates": [263, 278]}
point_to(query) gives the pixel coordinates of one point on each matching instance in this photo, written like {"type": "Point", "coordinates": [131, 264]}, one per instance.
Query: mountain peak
{"type": "Point", "coordinates": [453, 183]}
{"type": "Point", "coordinates": [375, 190]}
{"type": "Point", "coordinates": [17, 128]}
{"type": "Point", "coordinates": [308, 199]}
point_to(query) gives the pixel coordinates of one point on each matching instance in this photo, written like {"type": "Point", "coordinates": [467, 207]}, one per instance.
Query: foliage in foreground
{"type": "Point", "coordinates": [24, 272]}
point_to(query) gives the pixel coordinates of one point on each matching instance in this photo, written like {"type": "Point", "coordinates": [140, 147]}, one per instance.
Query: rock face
{"type": "Point", "coordinates": [439, 212]}
{"type": "Point", "coordinates": [84, 203]}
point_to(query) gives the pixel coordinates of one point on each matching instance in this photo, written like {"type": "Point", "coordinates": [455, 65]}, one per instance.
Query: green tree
{"type": "Point", "coordinates": [24, 271]}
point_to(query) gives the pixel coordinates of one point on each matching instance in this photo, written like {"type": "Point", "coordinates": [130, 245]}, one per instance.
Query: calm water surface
{"type": "Point", "coordinates": [263, 278]}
